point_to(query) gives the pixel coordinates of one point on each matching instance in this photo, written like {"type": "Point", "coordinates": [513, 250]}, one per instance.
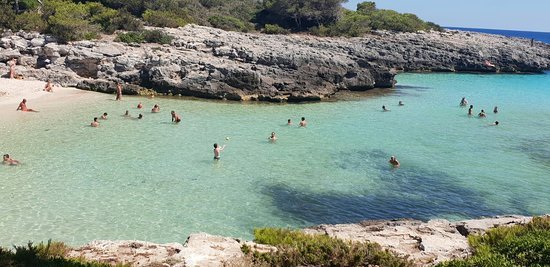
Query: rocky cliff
{"type": "Point", "coordinates": [212, 63]}
{"type": "Point", "coordinates": [426, 243]}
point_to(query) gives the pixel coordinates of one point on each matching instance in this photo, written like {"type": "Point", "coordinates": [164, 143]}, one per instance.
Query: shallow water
{"type": "Point", "coordinates": [151, 180]}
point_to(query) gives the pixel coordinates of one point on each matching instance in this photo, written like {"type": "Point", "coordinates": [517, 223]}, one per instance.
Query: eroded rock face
{"type": "Point", "coordinates": [212, 63]}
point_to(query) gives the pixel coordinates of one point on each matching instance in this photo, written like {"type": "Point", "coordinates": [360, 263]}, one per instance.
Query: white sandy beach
{"type": "Point", "coordinates": [12, 91]}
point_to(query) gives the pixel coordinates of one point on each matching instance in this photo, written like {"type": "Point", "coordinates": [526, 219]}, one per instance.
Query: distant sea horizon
{"type": "Point", "coordinates": [538, 36]}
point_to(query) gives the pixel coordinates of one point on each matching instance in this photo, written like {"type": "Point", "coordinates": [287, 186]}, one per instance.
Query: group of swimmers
{"type": "Point", "coordinates": [156, 109]}
{"type": "Point", "coordinates": [481, 114]}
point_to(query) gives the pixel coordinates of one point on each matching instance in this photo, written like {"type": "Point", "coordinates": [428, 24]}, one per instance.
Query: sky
{"type": "Point", "coordinates": [523, 15]}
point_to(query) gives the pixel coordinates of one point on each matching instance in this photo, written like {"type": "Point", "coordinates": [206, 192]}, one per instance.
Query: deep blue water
{"type": "Point", "coordinates": [539, 36]}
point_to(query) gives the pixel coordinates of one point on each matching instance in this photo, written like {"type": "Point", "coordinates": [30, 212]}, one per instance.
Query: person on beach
{"type": "Point", "coordinates": [9, 161]}
{"type": "Point", "coordinates": [217, 151]}
{"type": "Point", "coordinates": [273, 137]}
{"type": "Point", "coordinates": [175, 117]}
{"type": "Point", "coordinates": [155, 109]}
{"type": "Point", "coordinates": [118, 91]}
{"type": "Point", "coordinates": [12, 64]}
{"type": "Point", "coordinates": [401, 103]}
{"type": "Point", "coordinates": [470, 110]}
{"type": "Point", "coordinates": [48, 87]}
{"type": "Point", "coordinates": [104, 116]}
{"type": "Point", "coordinates": [463, 102]}
{"type": "Point", "coordinates": [139, 105]}
{"type": "Point", "coordinates": [303, 122]}
{"type": "Point", "coordinates": [394, 162]}
{"type": "Point", "coordinates": [289, 122]}
{"type": "Point", "coordinates": [482, 114]}
{"type": "Point", "coordinates": [23, 106]}
{"type": "Point", "coordinates": [95, 123]}
{"type": "Point", "coordinates": [384, 108]}
{"type": "Point", "coordinates": [495, 110]}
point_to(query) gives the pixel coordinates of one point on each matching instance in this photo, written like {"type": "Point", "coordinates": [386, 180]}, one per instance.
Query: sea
{"type": "Point", "coordinates": [538, 36]}
{"type": "Point", "coordinates": [156, 181]}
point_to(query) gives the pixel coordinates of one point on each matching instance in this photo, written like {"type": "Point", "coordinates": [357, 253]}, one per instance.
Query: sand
{"type": "Point", "coordinates": [12, 91]}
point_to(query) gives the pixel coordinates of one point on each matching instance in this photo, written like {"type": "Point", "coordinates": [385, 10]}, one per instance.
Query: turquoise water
{"type": "Point", "coordinates": [151, 180]}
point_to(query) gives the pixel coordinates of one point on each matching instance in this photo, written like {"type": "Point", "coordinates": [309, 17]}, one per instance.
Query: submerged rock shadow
{"type": "Point", "coordinates": [537, 150]}
{"type": "Point", "coordinates": [414, 192]}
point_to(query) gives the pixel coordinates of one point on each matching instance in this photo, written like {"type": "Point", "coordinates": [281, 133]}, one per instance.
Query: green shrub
{"type": "Point", "coordinates": [130, 37]}
{"type": "Point", "coordinates": [146, 36]}
{"type": "Point", "coordinates": [520, 245]}
{"type": "Point", "coordinates": [30, 21]}
{"type": "Point", "coordinates": [165, 18]}
{"type": "Point", "coordinates": [274, 29]}
{"type": "Point", "coordinates": [229, 23]}
{"type": "Point", "coordinates": [295, 248]}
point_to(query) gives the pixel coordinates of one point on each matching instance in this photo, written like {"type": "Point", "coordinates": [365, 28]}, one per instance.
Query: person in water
{"type": "Point", "coordinates": [273, 137]}
{"type": "Point", "coordinates": [495, 110]}
{"type": "Point", "coordinates": [139, 105]}
{"type": "Point", "coordinates": [401, 103]}
{"type": "Point", "coordinates": [463, 102]}
{"type": "Point", "coordinates": [303, 122]}
{"type": "Point", "coordinates": [126, 114]}
{"type": "Point", "coordinates": [175, 117]}
{"type": "Point", "coordinates": [48, 87]}
{"type": "Point", "coordinates": [289, 122]}
{"type": "Point", "coordinates": [155, 109]}
{"type": "Point", "coordinates": [217, 151]}
{"type": "Point", "coordinates": [104, 116]}
{"type": "Point", "coordinates": [118, 91]}
{"type": "Point", "coordinates": [9, 161]}
{"type": "Point", "coordinates": [494, 123]}
{"type": "Point", "coordinates": [384, 108]}
{"type": "Point", "coordinates": [470, 110]}
{"type": "Point", "coordinates": [482, 114]}
{"type": "Point", "coordinates": [95, 123]}
{"type": "Point", "coordinates": [394, 162]}
{"type": "Point", "coordinates": [23, 106]}
{"type": "Point", "coordinates": [140, 116]}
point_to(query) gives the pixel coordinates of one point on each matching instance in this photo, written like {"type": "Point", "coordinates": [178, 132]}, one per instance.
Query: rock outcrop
{"type": "Point", "coordinates": [212, 63]}
{"type": "Point", "coordinates": [426, 243]}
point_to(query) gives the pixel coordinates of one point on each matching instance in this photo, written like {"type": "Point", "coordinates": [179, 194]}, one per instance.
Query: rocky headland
{"type": "Point", "coordinates": [426, 243]}
{"type": "Point", "coordinates": [212, 63]}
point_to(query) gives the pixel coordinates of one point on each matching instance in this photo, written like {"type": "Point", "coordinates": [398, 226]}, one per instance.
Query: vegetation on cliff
{"type": "Point", "coordinates": [71, 20]}
{"type": "Point", "coordinates": [295, 248]}
{"type": "Point", "coordinates": [519, 245]}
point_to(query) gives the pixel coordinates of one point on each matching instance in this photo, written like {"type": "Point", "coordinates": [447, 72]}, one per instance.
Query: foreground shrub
{"type": "Point", "coordinates": [146, 36]}
{"type": "Point", "coordinates": [274, 29]}
{"type": "Point", "coordinates": [229, 23]}
{"type": "Point", "coordinates": [520, 245]}
{"type": "Point", "coordinates": [296, 248]}
{"type": "Point", "coordinates": [30, 21]}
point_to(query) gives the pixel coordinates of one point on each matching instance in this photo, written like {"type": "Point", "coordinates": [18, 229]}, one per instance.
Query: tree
{"type": "Point", "coordinates": [366, 8]}
{"type": "Point", "coordinates": [303, 14]}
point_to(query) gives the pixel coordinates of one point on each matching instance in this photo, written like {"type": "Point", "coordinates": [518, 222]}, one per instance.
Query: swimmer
{"type": "Point", "coordinates": [155, 109]}
{"type": "Point", "coordinates": [470, 110]}
{"type": "Point", "coordinates": [104, 116]}
{"type": "Point", "coordinates": [495, 110]}
{"type": "Point", "coordinates": [303, 122]}
{"type": "Point", "coordinates": [139, 105]}
{"type": "Point", "coordinates": [118, 91]}
{"type": "Point", "coordinates": [140, 116]}
{"type": "Point", "coordinates": [48, 87]}
{"type": "Point", "coordinates": [384, 108]}
{"type": "Point", "coordinates": [126, 114]}
{"type": "Point", "coordinates": [23, 106]}
{"type": "Point", "coordinates": [463, 102]}
{"type": "Point", "coordinates": [494, 123]}
{"type": "Point", "coordinates": [217, 151]}
{"type": "Point", "coordinates": [95, 123]}
{"type": "Point", "coordinates": [482, 114]}
{"type": "Point", "coordinates": [401, 103]}
{"type": "Point", "coordinates": [273, 137]}
{"type": "Point", "coordinates": [175, 117]}
{"type": "Point", "coordinates": [394, 162]}
{"type": "Point", "coordinates": [9, 161]}
{"type": "Point", "coordinates": [289, 122]}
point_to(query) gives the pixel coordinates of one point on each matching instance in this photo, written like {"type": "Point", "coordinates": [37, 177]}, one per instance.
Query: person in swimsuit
{"type": "Point", "coordinates": [289, 122]}
{"type": "Point", "coordinates": [95, 123]}
{"type": "Point", "coordinates": [104, 116]}
{"type": "Point", "coordinates": [394, 162]}
{"type": "Point", "coordinates": [495, 110]}
{"type": "Point", "coordinates": [12, 63]}
{"type": "Point", "coordinates": [48, 87]}
{"type": "Point", "coordinates": [217, 151]}
{"type": "Point", "coordinates": [175, 117]}
{"type": "Point", "coordinates": [494, 124]}
{"type": "Point", "coordinates": [470, 110]}
{"type": "Point", "coordinates": [139, 105]}
{"type": "Point", "coordinates": [384, 108]}
{"type": "Point", "coordinates": [303, 122]}
{"type": "Point", "coordinates": [401, 103]}
{"type": "Point", "coordinates": [140, 116]}
{"type": "Point", "coordinates": [23, 106]}
{"type": "Point", "coordinates": [9, 161]}
{"type": "Point", "coordinates": [482, 114]}
{"type": "Point", "coordinates": [126, 114]}
{"type": "Point", "coordinates": [273, 137]}
{"type": "Point", "coordinates": [463, 102]}
{"type": "Point", "coordinates": [155, 109]}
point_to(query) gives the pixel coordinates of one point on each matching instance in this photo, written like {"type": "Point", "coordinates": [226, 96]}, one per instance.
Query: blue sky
{"type": "Point", "coordinates": [526, 15]}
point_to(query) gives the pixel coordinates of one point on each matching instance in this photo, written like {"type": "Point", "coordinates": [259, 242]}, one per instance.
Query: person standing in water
{"type": "Point", "coordinates": [482, 114]}
{"type": "Point", "coordinates": [118, 91]}
{"type": "Point", "coordinates": [470, 110]}
{"type": "Point", "coordinates": [217, 151]}
{"type": "Point", "coordinates": [289, 122]}
{"type": "Point", "coordinates": [23, 106]}
{"type": "Point", "coordinates": [463, 102]}
{"type": "Point", "coordinates": [95, 123]}
{"type": "Point", "coordinates": [273, 137]}
{"type": "Point", "coordinates": [303, 122]}
{"type": "Point", "coordinates": [394, 162]}
{"type": "Point", "coordinates": [401, 103]}
{"type": "Point", "coordinates": [48, 87]}
{"type": "Point", "coordinates": [495, 110]}
{"type": "Point", "coordinates": [175, 117]}
{"type": "Point", "coordinates": [139, 105]}
{"type": "Point", "coordinates": [155, 109]}
{"type": "Point", "coordinates": [104, 116]}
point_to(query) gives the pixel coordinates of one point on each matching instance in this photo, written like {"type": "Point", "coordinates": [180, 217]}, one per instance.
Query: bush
{"type": "Point", "coordinates": [155, 36]}
{"type": "Point", "coordinates": [274, 29]}
{"type": "Point", "coordinates": [30, 21]}
{"type": "Point", "coordinates": [228, 23]}
{"type": "Point", "coordinates": [520, 245]}
{"type": "Point", "coordinates": [165, 19]}
{"type": "Point", "coordinates": [295, 248]}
